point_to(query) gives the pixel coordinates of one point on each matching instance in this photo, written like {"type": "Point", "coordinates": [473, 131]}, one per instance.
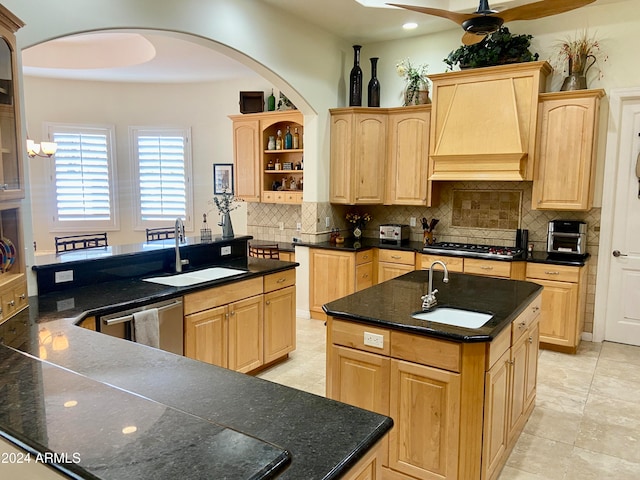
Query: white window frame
{"type": "Point", "coordinates": [68, 226]}
{"type": "Point", "coordinates": [184, 132]}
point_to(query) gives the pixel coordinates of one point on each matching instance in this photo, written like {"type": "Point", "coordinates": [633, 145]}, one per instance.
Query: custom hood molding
{"type": "Point", "coordinates": [483, 122]}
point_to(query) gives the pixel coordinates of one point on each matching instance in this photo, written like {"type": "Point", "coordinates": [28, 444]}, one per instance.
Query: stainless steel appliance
{"type": "Point", "coordinates": [170, 318]}
{"type": "Point", "coordinates": [567, 237]}
{"type": "Point", "coordinates": [394, 233]}
{"type": "Point", "coordinates": [472, 250]}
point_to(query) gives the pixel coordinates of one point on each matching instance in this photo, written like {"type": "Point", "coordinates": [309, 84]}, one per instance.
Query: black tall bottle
{"type": "Point", "coordinates": [355, 79]}
{"type": "Point", "coordinates": [373, 94]}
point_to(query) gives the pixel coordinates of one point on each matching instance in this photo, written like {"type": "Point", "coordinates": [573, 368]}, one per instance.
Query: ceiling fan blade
{"type": "Point", "coordinates": [454, 16]}
{"type": "Point", "coordinates": [472, 38]}
{"type": "Point", "coordinates": [543, 8]}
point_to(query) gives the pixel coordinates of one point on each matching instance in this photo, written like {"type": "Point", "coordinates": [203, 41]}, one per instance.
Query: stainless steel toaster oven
{"type": "Point", "coordinates": [394, 233]}
{"type": "Point", "coordinates": [567, 237]}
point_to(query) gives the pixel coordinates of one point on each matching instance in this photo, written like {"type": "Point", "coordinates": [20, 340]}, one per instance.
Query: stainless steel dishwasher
{"type": "Point", "coordinates": [170, 318]}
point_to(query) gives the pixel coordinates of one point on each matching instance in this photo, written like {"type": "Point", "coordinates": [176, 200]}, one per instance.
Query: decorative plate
{"type": "Point", "coordinates": [9, 256]}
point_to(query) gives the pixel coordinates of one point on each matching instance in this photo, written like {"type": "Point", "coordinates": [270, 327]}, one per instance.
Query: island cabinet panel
{"type": "Point", "coordinates": [496, 426]}
{"type": "Point", "coordinates": [246, 334]}
{"type": "Point", "coordinates": [567, 146]}
{"type": "Point", "coordinates": [563, 304]}
{"type": "Point", "coordinates": [425, 406]}
{"type": "Point", "coordinates": [370, 466]}
{"type": "Point", "coordinates": [279, 323]}
{"type": "Point", "coordinates": [206, 336]}
{"type": "Point", "coordinates": [238, 327]}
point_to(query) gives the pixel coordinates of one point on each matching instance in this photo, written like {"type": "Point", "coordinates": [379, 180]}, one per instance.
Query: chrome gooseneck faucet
{"type": "Point", "coordinates": [179, 235]}
{"type": "Point", "coordinates": [429, 300]}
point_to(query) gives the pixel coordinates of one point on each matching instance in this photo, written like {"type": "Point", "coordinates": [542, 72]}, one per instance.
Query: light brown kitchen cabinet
{"type": "Point", "coordinates": [563, 304]}
{"type": "Point", "coordinates": [253, 179]}
{"type": "Point", "coordinates": [11, 142]}
{"type": "Point", "coordinates": [393, 263]}
{"type": "Point", "coordinates": [246, 158]}
{"type": "Point", "coordinates": [279, 315]}
{"type": "Point", "coordinates": [495, 268]}
{"type": "Point", "coordinates": [408, 156]}
{"type": "Point", "coordinates": [454, 264]}
{"type": "Point", "coordinates": [238, 327]}
{"type": "Point", "coordinates": [358, 154]}
{"type": "Point", "coordinates": [567, 146]}
{"type": "Point", "coordinates": [483, 122]}
{"type": "Point", "coordinates": [434, 391]}
{"type": "Point", "coordinates": [333, 275]}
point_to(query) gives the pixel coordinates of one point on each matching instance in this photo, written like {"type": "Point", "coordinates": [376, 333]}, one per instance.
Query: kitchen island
{"type": "Point", "coordinates": [117, 409]}
{"type": "Point", "coordinates": [459, 396]}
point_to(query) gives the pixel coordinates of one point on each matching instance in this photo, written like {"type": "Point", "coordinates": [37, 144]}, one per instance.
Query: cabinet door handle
{"type": "Point", "coordinates": [281, 280]}
{"type": "Point", "coordinates": [535, 309]}
{"type": "Point", "coordinates": [366, 275]}
{"type": "Point", "coordinates": [522, 325]}
{"type": "Point", "coordinates": [484, 267]}
{"type": "Point", "coordinates": [23, 296]}
{"type": "Point", "coordinates": [548, 272]}
{"type": "Point", "coordinates": [267, 302]}
{"type": "Point", "coordinates": [365, 257]}
{"type": "Point", "coordinates": [396, 257]}
{"type": "Point", "coordinates": [11, 303]}
{"type": "Point", "coordinates": [530, 339]}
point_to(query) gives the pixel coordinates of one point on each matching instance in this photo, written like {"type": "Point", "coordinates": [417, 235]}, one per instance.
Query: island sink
{"type": "Point", "coordinates": [455, 317]}
{"type": "Point", "coordinates": [198, 276]}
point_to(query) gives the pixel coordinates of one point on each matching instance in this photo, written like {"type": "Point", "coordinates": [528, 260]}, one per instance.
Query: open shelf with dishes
{"type": "Point", "coordinates": [282, 159]}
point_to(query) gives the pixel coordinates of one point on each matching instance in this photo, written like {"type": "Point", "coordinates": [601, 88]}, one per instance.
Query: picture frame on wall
{"type": "Point", "coordinates": [222, 178]}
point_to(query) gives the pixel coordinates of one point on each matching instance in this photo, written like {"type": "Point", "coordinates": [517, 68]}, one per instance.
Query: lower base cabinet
{"type": "Point", "coordinates": [239, 327]}
{"type": "Point", "coordinates": [458, 408]}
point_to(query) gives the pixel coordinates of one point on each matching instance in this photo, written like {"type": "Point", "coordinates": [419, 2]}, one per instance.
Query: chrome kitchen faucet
{"type": "Point", "coordinates": [179, 234]}
{"type": "Point", "coordinates": [429, 300]}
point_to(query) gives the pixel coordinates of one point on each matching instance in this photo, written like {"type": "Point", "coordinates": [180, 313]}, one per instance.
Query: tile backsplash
{"type": "Point", "coordinates": [468, 212]}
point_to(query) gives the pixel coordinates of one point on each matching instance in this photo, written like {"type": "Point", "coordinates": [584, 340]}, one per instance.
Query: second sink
{"type": "Point", "coordinates": [455, 317]}
{"type": "Point", "coordinates": [193, 278]}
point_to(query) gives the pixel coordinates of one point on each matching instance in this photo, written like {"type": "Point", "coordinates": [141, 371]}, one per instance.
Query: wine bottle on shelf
{"type": "Point", "coordinates": [279, 142]}
{"type": "Point", "coordinates": [296, 138]}
{"type": "Point", "coordinates": [288, 139]}
{"type": "Point", "coordinates": [271, 102]}
{"type": "Point", "coordinates": [278, 165]}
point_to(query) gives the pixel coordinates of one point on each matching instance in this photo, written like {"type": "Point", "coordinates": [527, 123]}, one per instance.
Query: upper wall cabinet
{"type": "Point", "coordinates": [11, 145]}
{"type": "Point", "coordinates": [567, 137]}
{"type": "Point", "coordinates": [484, 122]}
{"type": "Point", "coordinates": [358, 152]}
{"type": "Point", "coordinates": [264, 172]}
{"type": "Point", "coordinates": [406, 180]}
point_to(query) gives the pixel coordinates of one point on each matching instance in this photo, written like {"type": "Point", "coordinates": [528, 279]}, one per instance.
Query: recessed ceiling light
{"type": "Point", "coordinates": [129, 429]}
{"type": "Point", "coordinates": [70, 403]}
{"type": "Point", "coordinates": [410, 26]}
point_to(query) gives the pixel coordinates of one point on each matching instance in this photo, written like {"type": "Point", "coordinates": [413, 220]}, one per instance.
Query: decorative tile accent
{"type": "Point", "coordinates": [494, 209]}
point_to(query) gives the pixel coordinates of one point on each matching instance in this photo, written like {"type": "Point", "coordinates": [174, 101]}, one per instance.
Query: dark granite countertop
{"type": "Point", "coordinates": [353, 245]}
{"type": "Point", "coordinates": [193, 418]}
{"type": "Point", "coordinates": [390, 304]}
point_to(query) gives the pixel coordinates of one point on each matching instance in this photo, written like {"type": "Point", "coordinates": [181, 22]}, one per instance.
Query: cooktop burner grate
{"type": "Point", "coordinates": [472, 250]}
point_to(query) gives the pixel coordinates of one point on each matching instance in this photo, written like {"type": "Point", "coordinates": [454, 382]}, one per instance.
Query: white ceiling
{"type": "Point", "coordinates": [159, 57]}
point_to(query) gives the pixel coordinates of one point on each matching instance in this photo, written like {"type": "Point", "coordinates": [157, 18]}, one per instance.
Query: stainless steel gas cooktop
{"type": "Point", "coordinates": [471, 250]}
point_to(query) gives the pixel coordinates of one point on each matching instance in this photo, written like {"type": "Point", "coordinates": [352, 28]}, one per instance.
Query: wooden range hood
{"type": "Point", "coordinates": [483, 122]}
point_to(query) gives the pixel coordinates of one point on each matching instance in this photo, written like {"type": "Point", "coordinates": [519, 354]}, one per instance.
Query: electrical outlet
{"type": "Point", "coordinates": [327, 222]}
{"type": "Point", "coordinates": [412, 222]}
{"type": "Point", "coordinates": [63, 276]}
{"type": "Point", "coordinates": [373, 340]}
{"type": "Point", "coordinates": [298, 226]}
{"type": "Point", "coordinates": [225, 250]}
{"type": "Point", "coordinates": [281, 225]}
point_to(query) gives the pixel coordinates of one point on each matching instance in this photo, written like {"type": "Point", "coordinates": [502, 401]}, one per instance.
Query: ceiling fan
{"type": "Point", "coordinates": [482, 22]}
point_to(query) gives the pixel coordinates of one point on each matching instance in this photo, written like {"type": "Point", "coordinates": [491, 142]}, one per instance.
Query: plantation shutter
{"type": "Point", "coordinates": [162, 177]}
{"type": "Point", "coordinates": [82, 177]}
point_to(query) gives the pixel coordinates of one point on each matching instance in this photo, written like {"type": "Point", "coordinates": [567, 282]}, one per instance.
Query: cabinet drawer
{"type": "Point", "coordinates": [364, 256]}
{"type": "Point", "coordinates": [454, 264]}
{"type": "Point", "coordinates": [276, 281]}
{"type": "Point", "coordinates": [520, 325]}
{"type": "Point", "coordinates": [214, 297]}
{"type": "Point", "coordinates": [396, 256]}
{"type": "Point", "coordinates": [561, 273]}
{"type": "Point", "coordinates": [490, 268]}
{"type": "Point", "coordinates": [426, 351]}
{"type": "Point", "coordinates": [353, 334]}
{"type": "Point", "coordinates": [364, 276]}
{"type": "Point", "coordinates": [268, 196]}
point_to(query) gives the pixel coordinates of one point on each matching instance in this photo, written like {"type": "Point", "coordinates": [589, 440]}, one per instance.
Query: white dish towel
{"type": "Point", "coordinates": [146, 326]}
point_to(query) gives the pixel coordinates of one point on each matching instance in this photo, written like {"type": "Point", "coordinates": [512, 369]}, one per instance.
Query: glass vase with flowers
{"type": "Point", "coordinates": [359, 221]}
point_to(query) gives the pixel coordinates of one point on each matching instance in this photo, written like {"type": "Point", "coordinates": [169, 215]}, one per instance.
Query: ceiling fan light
{"type": "Point", "coordinates": [482, 25]}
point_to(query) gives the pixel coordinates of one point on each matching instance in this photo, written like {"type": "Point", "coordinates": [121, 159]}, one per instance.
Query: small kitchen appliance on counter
{"type": "Point", "coordinates": [567, 238]}
{"type": "Point", "coordinates": [394, 233]}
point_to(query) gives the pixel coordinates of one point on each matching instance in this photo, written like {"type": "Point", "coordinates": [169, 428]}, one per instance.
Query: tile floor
{"type": "Point", "coordinates": [586, 424]}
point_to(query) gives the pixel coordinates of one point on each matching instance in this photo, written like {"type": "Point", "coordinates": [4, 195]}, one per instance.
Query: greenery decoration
{"type": "Point", "coordinates": [416, 78]}
{"type": "Point", "coordinates": [499, 48]}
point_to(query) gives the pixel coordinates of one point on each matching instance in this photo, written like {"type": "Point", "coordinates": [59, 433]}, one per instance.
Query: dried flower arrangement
{"type": "Point", "coordinates": [573, 54]}
{"type": "Point", "coordinates": [358, 219]}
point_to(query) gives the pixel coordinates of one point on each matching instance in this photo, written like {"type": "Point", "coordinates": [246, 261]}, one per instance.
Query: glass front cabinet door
{"type": "Point", "coordinates": [11, 144]}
